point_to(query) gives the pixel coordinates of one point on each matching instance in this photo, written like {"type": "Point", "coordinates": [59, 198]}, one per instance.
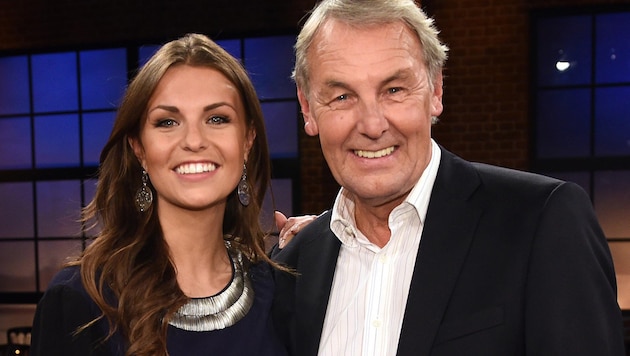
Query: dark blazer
{"type": "Point", "coordinates": [510, 263]}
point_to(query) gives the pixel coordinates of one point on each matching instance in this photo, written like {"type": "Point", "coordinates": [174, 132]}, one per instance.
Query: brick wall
{"type": "Point", "coordinates": [486, 85]}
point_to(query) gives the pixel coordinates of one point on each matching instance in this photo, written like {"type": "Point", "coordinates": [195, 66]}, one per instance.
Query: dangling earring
{"type": "Point", "coordinates": [144, 195]}
{"type": "Point", "coordinates": [243, 188]}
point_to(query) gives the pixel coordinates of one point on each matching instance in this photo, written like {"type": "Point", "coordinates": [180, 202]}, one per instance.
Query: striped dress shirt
{"type": "Point", "coordinates": [371, 284]}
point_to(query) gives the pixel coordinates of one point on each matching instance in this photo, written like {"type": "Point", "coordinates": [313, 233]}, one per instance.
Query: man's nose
{"type": "Point", "coordinates": [372, 121]}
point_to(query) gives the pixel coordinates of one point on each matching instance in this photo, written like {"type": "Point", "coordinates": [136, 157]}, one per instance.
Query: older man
{"type": "Point", "coordinates": [424, 253]}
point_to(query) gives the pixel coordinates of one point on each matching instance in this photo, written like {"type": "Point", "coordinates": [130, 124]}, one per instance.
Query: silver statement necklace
{"type": "Point", "coordinates": [222, 310]}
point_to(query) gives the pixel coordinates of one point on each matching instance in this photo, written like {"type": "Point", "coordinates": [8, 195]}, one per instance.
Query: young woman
{"type": "Point", "coordinates": [179, 266]}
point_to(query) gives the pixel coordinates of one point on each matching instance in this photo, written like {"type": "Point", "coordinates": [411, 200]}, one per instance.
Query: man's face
{"type": "Point", "coordinates": [371, 102]}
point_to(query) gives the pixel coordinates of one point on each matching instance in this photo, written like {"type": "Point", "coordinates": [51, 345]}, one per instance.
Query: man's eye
{"type": "Point", "coordinates": [342, 97]}
{"type": "Point", "coordinates": [394, 90]}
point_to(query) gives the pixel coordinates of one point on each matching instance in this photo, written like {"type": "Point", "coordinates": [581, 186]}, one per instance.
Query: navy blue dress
{"type": "Point", "coordinates": [66, 306]}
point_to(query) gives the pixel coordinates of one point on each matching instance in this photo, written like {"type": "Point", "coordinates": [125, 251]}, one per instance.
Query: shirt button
{"type": "Point", "coordinates": [382, 259]}
{"type": "Point", "coordinates": [376, 323]}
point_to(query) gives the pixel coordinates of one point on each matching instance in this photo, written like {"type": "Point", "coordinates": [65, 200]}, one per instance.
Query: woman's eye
{"type": "Point", "coordinates": [167, 123]}
{"type": "Point", "coordinates": [218, 120]}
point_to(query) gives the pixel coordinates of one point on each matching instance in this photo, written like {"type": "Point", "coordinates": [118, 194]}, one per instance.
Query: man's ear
{"type": "Point", "coordinates": [310, 124]}
{"type": "Point", "coordinates": [138, 150]}
{"type": "Point", "coordinates": [436, 97]}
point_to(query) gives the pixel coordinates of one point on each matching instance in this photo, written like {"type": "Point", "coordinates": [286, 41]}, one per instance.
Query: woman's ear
{"type": "Point", "coordinates": [249, 142]}
{"type": "Point", "coordinates": [138, 150]}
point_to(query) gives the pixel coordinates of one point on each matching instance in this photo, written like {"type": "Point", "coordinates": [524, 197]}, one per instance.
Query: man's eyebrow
{"type": "Point", "coordinates": [398, 75]}
{"type": "Point", "coordinates": [330, 84]}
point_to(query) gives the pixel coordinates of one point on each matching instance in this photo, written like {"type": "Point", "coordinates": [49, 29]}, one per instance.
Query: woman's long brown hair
{"type": "Point", "coordinates": [127, 269]}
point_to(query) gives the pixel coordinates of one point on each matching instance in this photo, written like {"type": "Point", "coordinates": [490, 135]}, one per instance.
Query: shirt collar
{"type": "Point", "coordinates": [342, 221]}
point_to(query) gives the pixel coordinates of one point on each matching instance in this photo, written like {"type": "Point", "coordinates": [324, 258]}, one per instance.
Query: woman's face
{"type": "Point", "coordinates": [194, 141]}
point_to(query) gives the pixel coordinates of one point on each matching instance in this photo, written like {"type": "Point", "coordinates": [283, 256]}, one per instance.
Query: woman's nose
{"type": "Point", "coordinates": [194, 139]}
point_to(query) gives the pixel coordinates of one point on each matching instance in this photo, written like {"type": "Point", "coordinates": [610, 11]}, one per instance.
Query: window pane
{"type": "Point", "coordinates": [52, 255]}
{"type": "Point", "coordinates": [103, 78]}
{"type": "Point", "coordinates": [96, 130]}
{"type": "Point", "coordinates": [89, 190]}
{"type": "Point", "coordinates": [233, 47]}
{"type": "Point", "coordinates": [612, 202]}
{"type": "Point", "coordinates": [612, 126]}
{"type": "Point", "coordinates": [564, 41]}
{"type": "Point", "coordinates": [563, 123]}
{"type": "Point", "coordinates": [15, 314]}
{"type": "Point", "coordinates": [621, 257]}
{"type": "Point", "coordinates": [613, 48]}
{"type": "Point", "coordinates": [17, 266]}
{"type": "Point", "coordinates": [15, 143]}
{"type": "Point", "coordinates": [16, 210]}
{"type": "Point", "coordinates": [269, 61]}
{"type": "Point", "coordinates": [58, 208]}
{"type": "Point", "coordinates": [55, 90]}
{"type": "Point", "coordinates": [56, 141]}
{"type": "Point", "coordinates": [14, 96]}
{"type": "Point", "coordinates": [281, 121]}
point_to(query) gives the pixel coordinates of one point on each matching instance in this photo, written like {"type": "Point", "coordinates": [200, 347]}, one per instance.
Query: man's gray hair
{"type": "Point", "coordinates": [365, 13]}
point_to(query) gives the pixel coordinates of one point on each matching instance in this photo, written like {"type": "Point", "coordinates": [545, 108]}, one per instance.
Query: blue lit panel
{"type": "Point", "coordinates": [103, 78]}
{"type": "Point", "coordinates": [146, 52]}
{"type": "Point", "coordinates": [563, 123]}
{"type": "Point", "coordinates": [96, 130]}
{"type": "Point", "coordinates": [269, 61]}
{"type": "Point", "coordinates": [17, 266]}
{"type": "Point", "coordinates": [14, 96]}
{"type": "Point", "coordinates": [281, 122]}
{"type": "Point", "coordinates": [16, 210]}
{"type": "Point", "coordinates": [52, 255]}
{"type": "Point", "coordinates": [57, 141]}
{"type": "Point", "coordinates": [613, 48]}
{"type": "Point", "coordinates": [55, 85]}
{"type": "Point", "coordinates": [612, 127]}
{"type": "Point", "coordinates": [233, 47]}
{"type": "Point", "coordinates": [564, 42]}
{"type": "Point", "coordinates": [58, 208]}
{"type": "Point", "coordinates": [612, 202]}
{"type": "Point", "coordinates": [15, 143]}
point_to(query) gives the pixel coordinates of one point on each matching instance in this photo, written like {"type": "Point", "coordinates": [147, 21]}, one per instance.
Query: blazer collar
{"type": "Point", "coordinates": [319, 255]}
{"type": "Point", "coordinates": [451, 220]}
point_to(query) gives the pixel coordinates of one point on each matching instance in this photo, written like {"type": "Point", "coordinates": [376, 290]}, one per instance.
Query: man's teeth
{"type": "Point", "coordinates": [193, 168]}
{"type": "Point", "coordinates": [374, 154]}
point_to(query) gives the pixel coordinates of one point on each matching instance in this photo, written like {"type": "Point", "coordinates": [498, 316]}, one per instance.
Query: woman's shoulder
{"type": "Point", "coordinates": [69, 276]}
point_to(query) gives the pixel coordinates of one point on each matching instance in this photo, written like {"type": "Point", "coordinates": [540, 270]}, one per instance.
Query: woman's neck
{"type": "Point", "coordinates": [195, 241]}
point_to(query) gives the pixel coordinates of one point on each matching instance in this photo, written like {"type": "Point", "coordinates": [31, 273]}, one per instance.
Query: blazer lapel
{"type": "Point", "coordinates": [449, 226]}
{"type": "Point", "coordinates": [318, 258]}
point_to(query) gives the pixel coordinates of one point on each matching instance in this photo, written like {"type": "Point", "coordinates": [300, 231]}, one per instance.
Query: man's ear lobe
{"type": "Point", "coordinates": [436, 98]}
{"type": "Point", "coordinates": [310, 124]}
